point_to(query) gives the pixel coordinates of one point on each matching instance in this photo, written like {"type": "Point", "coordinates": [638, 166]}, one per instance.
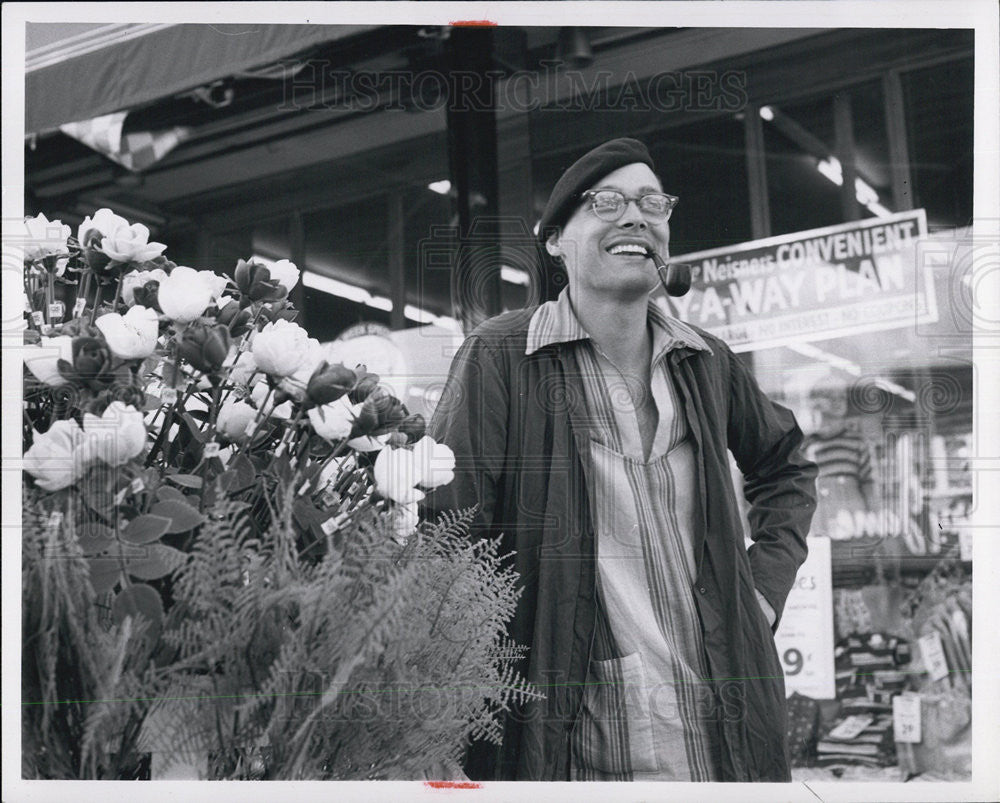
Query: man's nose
{"type": "Point", "coordinates": [632, 216]}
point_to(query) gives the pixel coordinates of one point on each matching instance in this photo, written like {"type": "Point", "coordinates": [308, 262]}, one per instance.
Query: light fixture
{"type": "Point", "coordinates": [767, 113]}
{"type": "Point", "coordinates": [863, 191]}
{"type": "Point", "coordinates": [442, 187]}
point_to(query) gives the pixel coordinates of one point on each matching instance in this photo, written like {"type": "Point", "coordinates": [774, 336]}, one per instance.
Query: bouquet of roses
{"type": "Point", "coordinates": [161, 404]}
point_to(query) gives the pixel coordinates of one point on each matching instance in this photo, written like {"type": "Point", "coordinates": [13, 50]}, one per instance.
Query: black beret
{"type": "Point", "coordinates": [583, 174]}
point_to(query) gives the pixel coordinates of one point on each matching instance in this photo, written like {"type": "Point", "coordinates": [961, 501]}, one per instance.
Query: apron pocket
{"type": "Point", "coordinates": [614, 733]}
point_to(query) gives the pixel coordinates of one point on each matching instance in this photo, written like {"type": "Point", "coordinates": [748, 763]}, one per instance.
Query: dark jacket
{"type": "Point", "coordinates": [517, 425]}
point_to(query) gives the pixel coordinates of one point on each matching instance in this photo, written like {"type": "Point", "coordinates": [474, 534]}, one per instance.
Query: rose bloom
{"type": "Point", "coordinates": [44, 238]}
{"type": "Point", "coordinates": [116, 436]}
{"type": "Point", "coordinates": [138, 278]}
{"type": "Point", "coordinates": [244, 367]}
{"type": "Point", "coordinates": [42, 360]}
{"type": "Point", "coordinates": [284, 273]}
{"type": "Point", "coordinates": [233, 419]}
{"type": "Point", "coordinates": [280, 347]}
{"type": "Point", "coordinates": [103, 224]}
{"type": "Point", "coordinates": [398, 472]}
{"type": "Point", "coordinates": [260, 392]}
{"type": "Point", "coordinates": [295, 384]}
{"type": "Point", "coordinates": [56, 459]}
{"type": "Point", "coordinates": [335, 420]}
{"type": "Point", "coordinates": [131, 336]}
{"type": "Point", "coordinates": [184, 295]}
{"type": "Point", "coordinates": [216, 283]}
{"type": "Point", "coordinates": [131, 244]}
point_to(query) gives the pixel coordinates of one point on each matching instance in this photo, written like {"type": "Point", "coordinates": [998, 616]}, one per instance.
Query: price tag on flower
{"type": "Point", "coordinates": [137, 485]}
{"type": "Point", "coordinates": [906, 718]}
{"type": "Point", "coordinates": [169, 396]}
{"type": "Point", "coordinates": [55, 520]}
{"type": "Point", "coordinates": [79, 307]}
{"type": "Point", "coordinates": [38, 317]}
{"type": "Point", "coordinates": [56, 311]}
{"type": "Point", "coordinates": [331, 524]}
{"type": "Point", "coordinates": [212, 449]}
{"type": "Point", "coordinates": [932, 651]}
{"type": "Point", "coordinates": [120, 496]}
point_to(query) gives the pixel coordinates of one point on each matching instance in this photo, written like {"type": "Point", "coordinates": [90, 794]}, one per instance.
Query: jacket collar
{"type": "Point", "coordinates": [556, 322]}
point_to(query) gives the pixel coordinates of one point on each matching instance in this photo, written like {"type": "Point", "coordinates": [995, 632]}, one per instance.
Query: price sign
{"type": "Point", "coordinates": [56, 311]}
{"type": "Point", "coordinates": [932, 651]}
{"type": "Point", "coordinates": [212, 449]}
{"type": "Point", "coordinates": [38, 317]}
{"type": "Point", "coordinates": [851, 727]}
{"type": "Point", "coordinates": [805, 633]}
{"type": "Point", "coordinates": [79, 306]}
{"type": "Point", "coordinates": [906, 718]}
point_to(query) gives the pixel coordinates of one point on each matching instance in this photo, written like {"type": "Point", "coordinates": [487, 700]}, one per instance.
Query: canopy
{"type": "Point", "coordinates": [137, 64]}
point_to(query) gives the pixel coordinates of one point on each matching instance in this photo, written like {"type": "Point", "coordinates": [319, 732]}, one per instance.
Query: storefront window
{"type": "Point", "coordinates": [939, 123]}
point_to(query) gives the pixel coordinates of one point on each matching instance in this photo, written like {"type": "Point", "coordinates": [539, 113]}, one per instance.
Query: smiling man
{"type": "Point", "coordinates": [592, 432]}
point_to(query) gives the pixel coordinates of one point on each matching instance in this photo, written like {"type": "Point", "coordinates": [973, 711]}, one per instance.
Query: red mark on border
{"type": "Point", "coordinates": [475, 23]}
{"type": "Point", "coordinates": [453, 784]}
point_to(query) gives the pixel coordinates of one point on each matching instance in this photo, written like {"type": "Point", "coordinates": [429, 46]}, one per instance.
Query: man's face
{"type": "Point", "coordinates": [593, 248]}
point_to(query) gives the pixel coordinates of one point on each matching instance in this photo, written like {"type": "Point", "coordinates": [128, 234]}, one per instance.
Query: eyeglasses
{"type": "Point", "coordinates": [610, 204]}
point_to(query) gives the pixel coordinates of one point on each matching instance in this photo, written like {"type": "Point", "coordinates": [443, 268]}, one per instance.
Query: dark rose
{"type": "Point", "coordinates": [204, 346]}
{"type": "Point", "coordinates": [329, 382]}
{"type": "Point", "coordinates": [92, 364]}
{"type": "Point", "coordinates": [255, 283]}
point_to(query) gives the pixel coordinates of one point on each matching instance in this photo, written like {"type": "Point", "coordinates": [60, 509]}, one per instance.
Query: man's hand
{"type": "Point", "coordinates": [766, 607]}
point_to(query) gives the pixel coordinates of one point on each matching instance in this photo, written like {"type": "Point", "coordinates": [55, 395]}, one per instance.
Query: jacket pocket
{"type": "Point", "coordinates": [614, 732]}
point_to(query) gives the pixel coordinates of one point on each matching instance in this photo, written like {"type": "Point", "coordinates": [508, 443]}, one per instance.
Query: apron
{"type": "Point", "coordinates": [648, 709]}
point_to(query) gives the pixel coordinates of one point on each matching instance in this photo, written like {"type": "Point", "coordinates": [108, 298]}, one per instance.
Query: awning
{"type": "Point", "coordinates": [130, 65]}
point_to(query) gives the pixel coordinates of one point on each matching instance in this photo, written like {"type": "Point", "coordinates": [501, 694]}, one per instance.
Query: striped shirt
{"type": "Point", "coordinates": [648, 710]}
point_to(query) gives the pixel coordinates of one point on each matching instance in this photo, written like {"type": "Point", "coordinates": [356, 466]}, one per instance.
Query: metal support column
{"type": "Point", "coordinates": [760, 208]}
{"type": "Point", "coordinates": [472, 153]}
{"type": "Point", "coordinates": [843, 129]}
{"type": "Point", "coordinates": [899, 156]}
{"type": "Point", "coordinates": [297, 248]}
{"type": "Point", "coordinates": [397, 263]}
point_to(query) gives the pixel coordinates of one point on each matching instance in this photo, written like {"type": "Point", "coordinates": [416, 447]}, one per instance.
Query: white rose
{"type": "Point", "coordinates": [56, 459]}
{"type": "Point", "coordinates": [435, 462]}
{"type": "Point", "coordinates": [260, 392]}
{"type": "Point", "coordinates": [404, 521]}
{"type": "Point", "coordinates": [42, 360]}
{"type": "Point", "coordinates": [138, 278]}
{"type": "Point", "coordinates": [398, 472]}
{"type": "Point", "coordinates": [243, 368]}
{"type": "Point", "coordinates": [233, 419]}
{"type": "Point", "coordinates": [131, 244]}
{"type": "Point", "coordinates": [217, 283]}
{"type": "Point", "coordinates": [280, 347]}
{"type": "Point", "coordinates": [284, 273]}
{"type": "Point", "coordinates": [184, 295]}
{"type": "Point", "coordinates": [43, 238]}
{"type": "Point", "coordinates": [131, 336]}
{"type": "Point", "coordinates": [103, 224]}
{"type": "Point", "coordinates": [334, 421]}
{"type": "Point", "coordinates": [295, 383]}
{"type": "Point", "coordinates": [117, 436]}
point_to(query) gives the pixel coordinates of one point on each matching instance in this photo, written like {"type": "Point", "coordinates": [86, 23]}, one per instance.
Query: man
{"type": "Point", "coordinates": [592, 432]}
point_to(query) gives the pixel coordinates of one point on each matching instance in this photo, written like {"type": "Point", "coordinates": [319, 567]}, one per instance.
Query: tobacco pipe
{"type": "Point", "coordinates": [675, 278]}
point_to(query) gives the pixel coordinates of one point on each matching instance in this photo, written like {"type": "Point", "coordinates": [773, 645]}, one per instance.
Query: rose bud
{"type": "Point", "coordinates": [139, 278]}
{"type": "Point", "coordinates": [413, 427]}
{"type": "Point", "coordinates": [233, 419]}
{"type": "Point", "coordinates": [285, 273]}
{"type": "Point", "coordinates": [157, 263]}
{"type": "Point", "coordinates": [395, 440]}
{"type": "Point", "coordinates": [279, 311]}
{"type": "Point", "coordinates": [329, 383]}
{"type": "Point", "coordinates": [255, 283]}
{"type": "Point", "coordinates": [366, 420]}
{"type": "Point", "coordinates": [147, 295]}
{"type": "Point", "coordinates": [91, 364]}
{"type": "Point", "coordinates": [365, 385]}
{"type": "Point", "coordinates": [204, 346]}
{"type": "Point", "coordinates": [236, 320]}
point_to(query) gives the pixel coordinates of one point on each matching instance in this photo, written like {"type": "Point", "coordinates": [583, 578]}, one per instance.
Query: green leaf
{"type": "Point", "coordinates": [193, 428]}
{"type": "Point", "coordinates": [159, 561]}
{"type": "Point", "coordinates": [138, 599]}
{"type": "Point", "coordinates": [143, 529]}
{"type": "Point", "coordinates": [183, 517]}
{"type": "Point", "coordinates": [239, 475]}
{"type": "Point", "coordinates": [95, 538]}
{"type": "Point", "coordinates": [104, 573]}
{"type": "Point", "coordinates": [167, 494]}
{"type": "Point", "coordinates": [186, 480]}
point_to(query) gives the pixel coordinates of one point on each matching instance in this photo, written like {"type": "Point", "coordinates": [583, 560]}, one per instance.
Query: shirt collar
{"type": "Point", "coordinates": [556, 322]}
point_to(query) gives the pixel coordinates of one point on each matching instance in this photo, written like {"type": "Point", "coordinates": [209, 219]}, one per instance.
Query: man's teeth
{"type": "Point", "coordinates": [627, 249]}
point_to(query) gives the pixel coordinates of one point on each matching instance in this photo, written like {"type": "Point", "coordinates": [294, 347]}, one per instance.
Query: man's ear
{"type": "Point", "coordinates": [552, 245]}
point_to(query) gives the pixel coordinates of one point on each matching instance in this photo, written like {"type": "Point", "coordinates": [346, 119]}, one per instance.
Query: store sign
{"type": "Point", "coordinates": [805, 635]}
{"type": "Point", "coordinates": [812, 285]}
